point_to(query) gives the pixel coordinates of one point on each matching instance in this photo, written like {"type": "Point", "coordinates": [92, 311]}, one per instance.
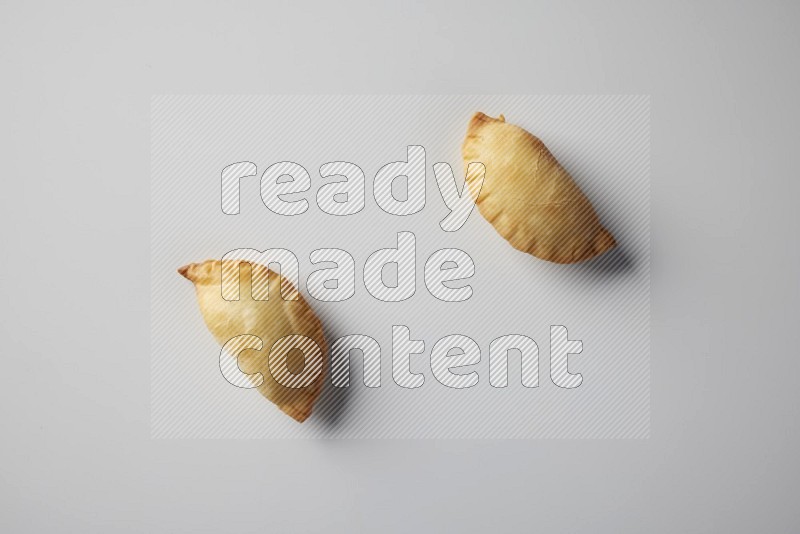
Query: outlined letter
{"type": "Point", "coordinates": [436, 274]}
{"type": "Point", "coordinates": [272, 189]}
{"type": "Point", "coordinates": [402, 349]}
{"type": "Point", "coordinates": [341, 350]}
{"type": "Point", "coordinates": [414, 171]}
{"type": "Point", "coordinates": [442, 361]}
{"type": "Point", "coordinates": [459, 204]}
{"type": "Point", "coordinates": [560, 349]}
{"type": "Point", "coordinates": [498, 360]}
{"type": "Point", "coordinates": [259, 283]}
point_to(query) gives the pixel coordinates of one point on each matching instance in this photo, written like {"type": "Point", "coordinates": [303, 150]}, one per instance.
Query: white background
{"type": "Point", "coordinates": [76, 448]}
{"type": "Point", "coordinates": [603, 140]}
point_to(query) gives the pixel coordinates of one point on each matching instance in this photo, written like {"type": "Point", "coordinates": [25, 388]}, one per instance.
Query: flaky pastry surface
{"type": "Point", "coordinates": [528, 196]}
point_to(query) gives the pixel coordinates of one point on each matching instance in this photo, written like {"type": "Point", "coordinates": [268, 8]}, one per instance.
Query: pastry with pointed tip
{"type": "Point", "coordinates": [528, 197]}
{"type": "Point", "coordinates": [269, 320]}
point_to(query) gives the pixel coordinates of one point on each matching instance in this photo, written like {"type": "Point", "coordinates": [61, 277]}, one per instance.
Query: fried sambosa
{"type": "Point", "coordinates": [292, 364]}
{"type": "Point", "coordinates": [528, 197]}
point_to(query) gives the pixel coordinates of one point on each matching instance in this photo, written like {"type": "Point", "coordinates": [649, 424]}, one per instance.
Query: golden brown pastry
{"type": "Point", "coordinates": [269, 320]}
{"type": "Point", "coordinates": [528, 197]}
